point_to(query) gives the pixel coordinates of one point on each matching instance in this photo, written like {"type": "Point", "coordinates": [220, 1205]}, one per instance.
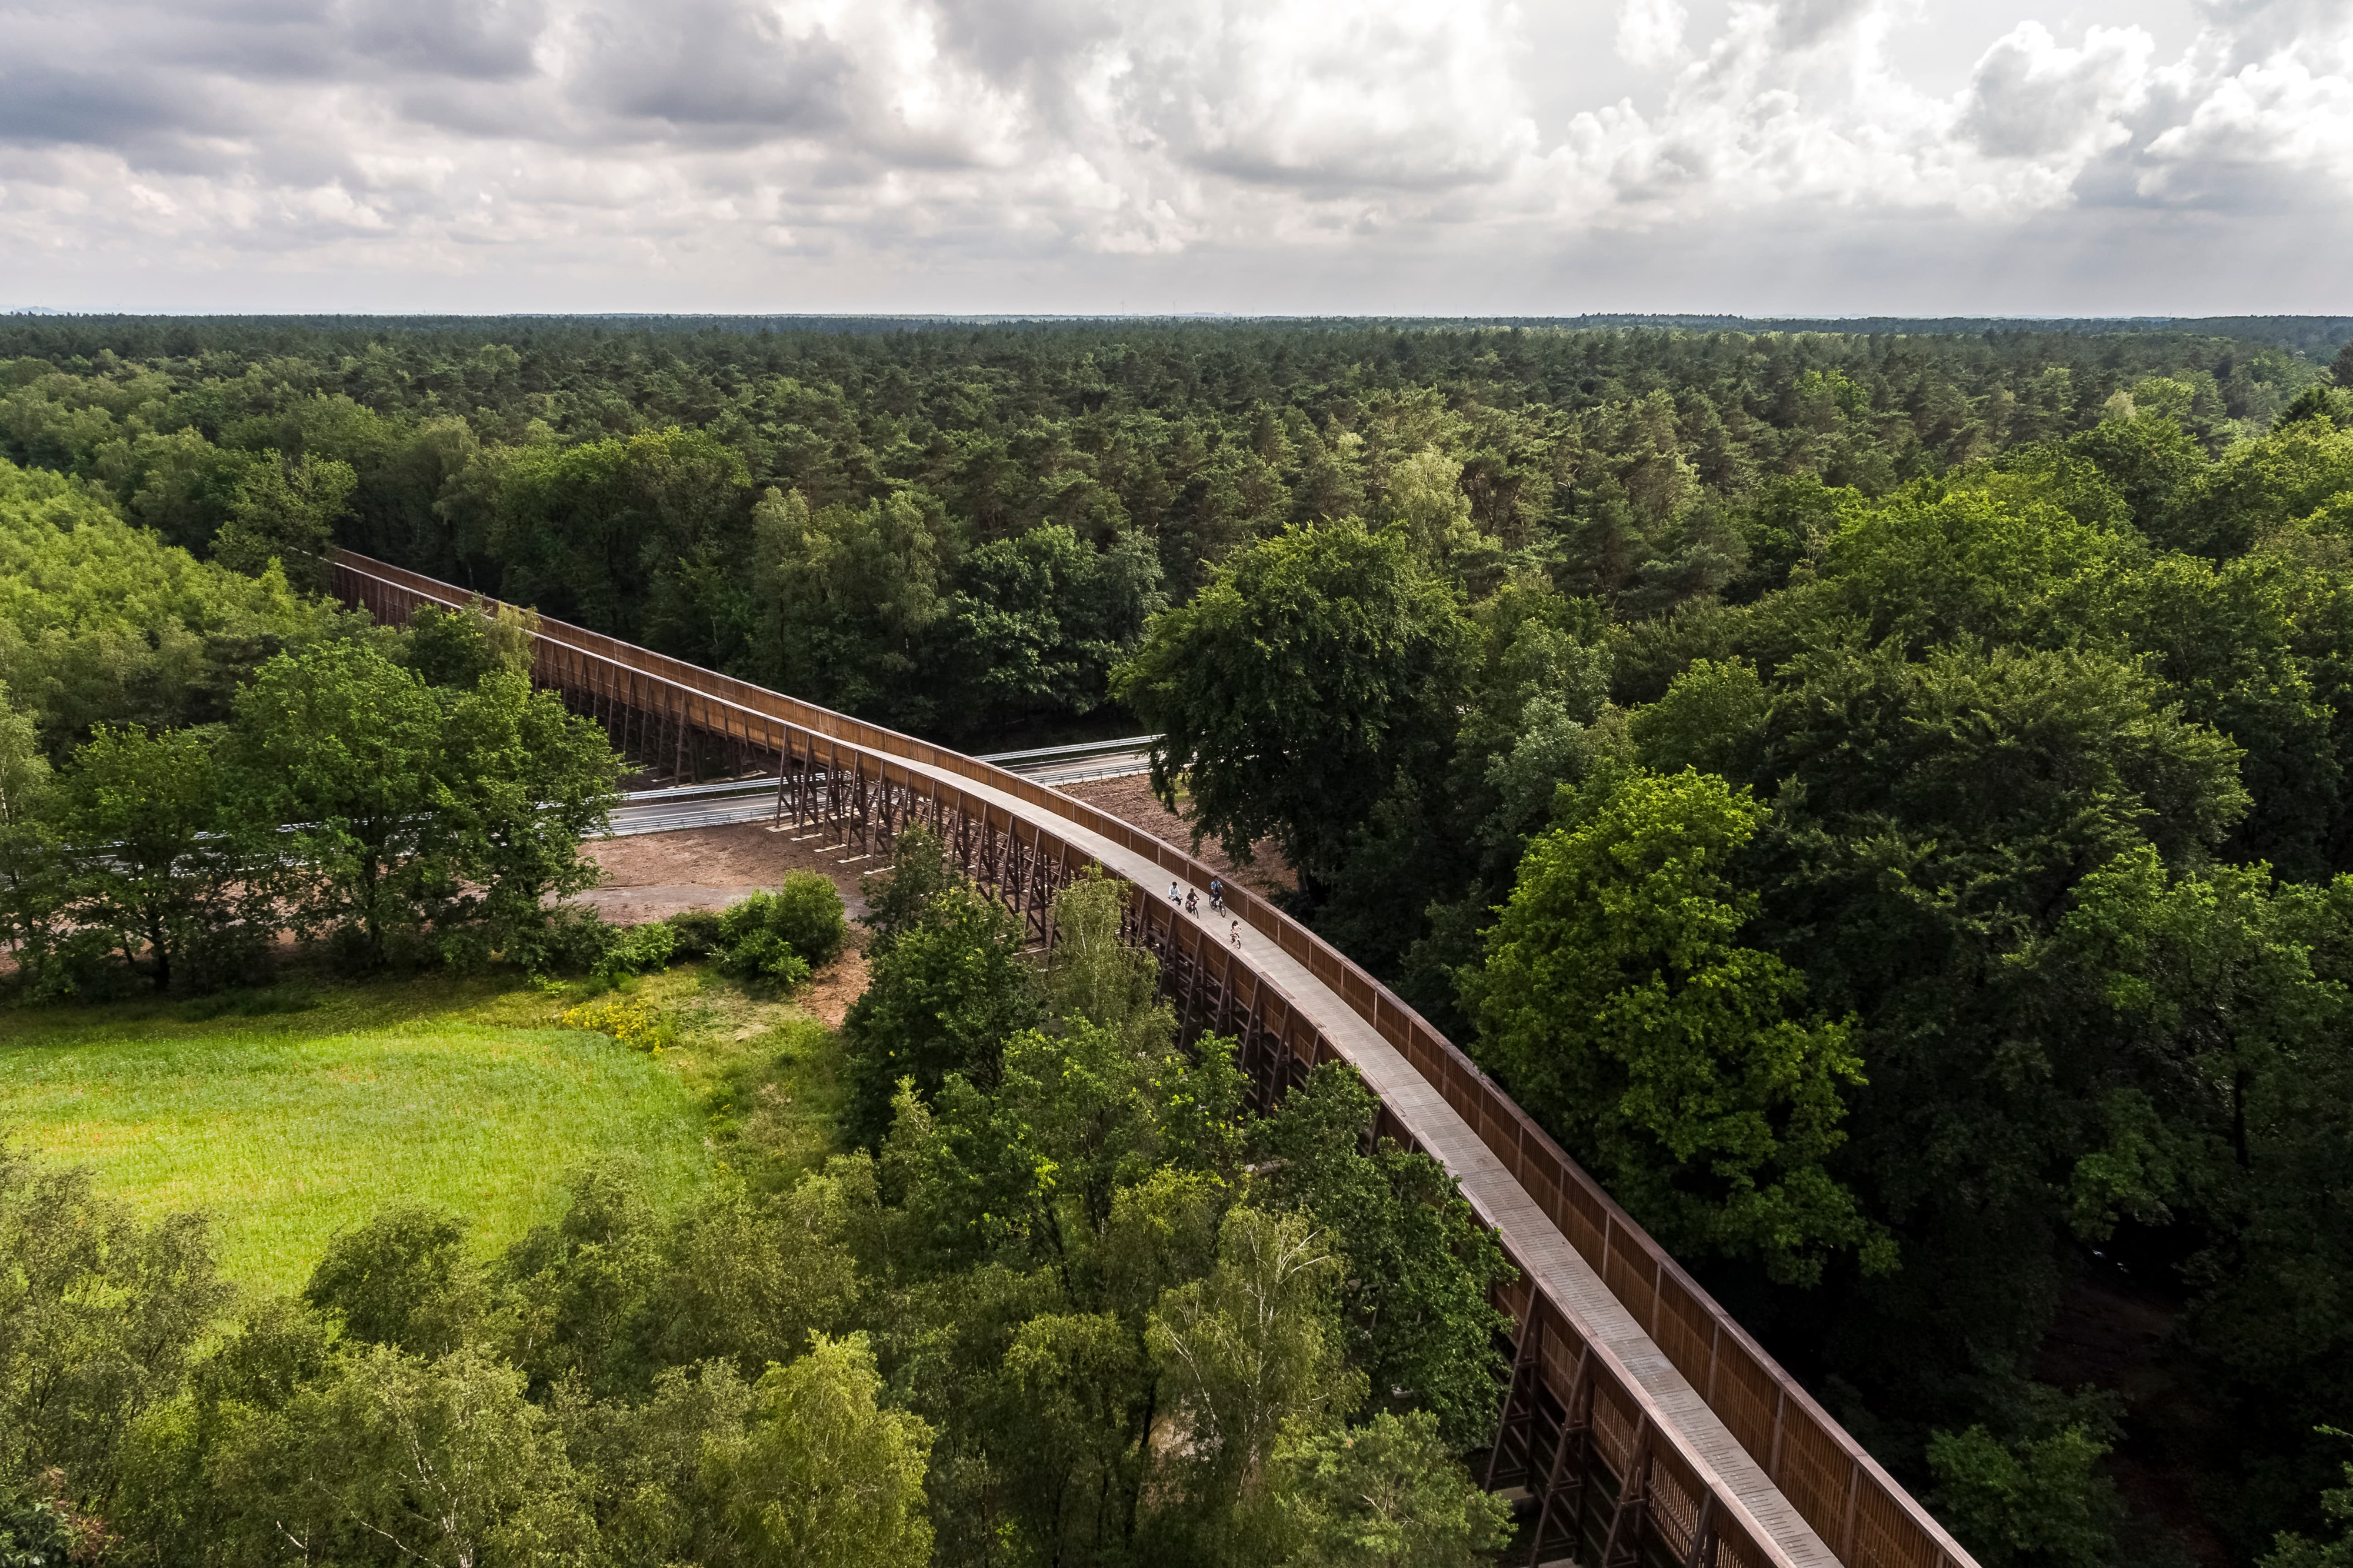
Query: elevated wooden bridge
{"type": "Point", "coordinates": [1643, 1423]}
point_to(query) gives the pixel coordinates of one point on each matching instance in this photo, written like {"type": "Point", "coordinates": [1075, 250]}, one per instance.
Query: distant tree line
{"type": "Point", "coordinates": [957, 529]}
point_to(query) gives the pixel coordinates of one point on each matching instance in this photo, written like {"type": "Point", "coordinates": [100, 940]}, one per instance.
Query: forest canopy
{"type": "Point", "coordinates": [1884, 798]}
{"type": "Point", "coordinates": [962, 527]}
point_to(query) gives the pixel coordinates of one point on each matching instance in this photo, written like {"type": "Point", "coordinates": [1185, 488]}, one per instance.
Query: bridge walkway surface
{"type": "Point", "coordinates": [1644, 1424]}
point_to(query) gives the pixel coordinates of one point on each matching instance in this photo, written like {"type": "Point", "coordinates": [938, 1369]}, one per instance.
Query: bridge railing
{"type": "Point", "coordinates": [1844, 1495]}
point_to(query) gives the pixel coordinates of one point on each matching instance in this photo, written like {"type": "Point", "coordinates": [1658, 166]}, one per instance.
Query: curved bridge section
{"type": "Point", "coordinates": [1642, 1423]}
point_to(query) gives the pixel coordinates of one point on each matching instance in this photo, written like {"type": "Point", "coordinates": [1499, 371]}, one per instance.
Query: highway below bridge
{"type": "Point", "coordinates": [1641, 1424]}
{"type": "Point", "coordinates": [670, 807]}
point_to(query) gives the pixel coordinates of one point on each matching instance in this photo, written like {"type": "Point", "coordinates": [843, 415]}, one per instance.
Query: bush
{"type": "Point", "coordinates": [35, 1531]}
{"type": "Point", "coordinates": [782, 937]}
{"type": "Point", "coordinates": [694, 933]}
{"type": "Point", "coordinates": [82, 966]}
{"type": "Point", "coordinates": [640, 949]}
{"type": "Point", "coordinates": [761, 954]}
{"type": "Point", "coordinates": [574, 939]}
{"type": "Point", "coordinates": [808, 914]}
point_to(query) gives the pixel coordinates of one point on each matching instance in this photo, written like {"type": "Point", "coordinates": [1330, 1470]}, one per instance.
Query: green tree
{"type": "Point", "coordinates": [158, 862]}
{"type": "Point", "coordinates": [897, 898]}
{"type": "Point", "coordinates": [2291, 1549]}
{"type": "Point", "coordinates": [588, 1289]}
{"type": "Point", "coordinates": [827, 1475]}
{"type": "Point", "coordinates": [182, 486]}
{"type": "Point", "coordinates": [1311, 670]}
{"type": "Point", "coordinates": [399, 1277]}
{"type": "Point", "coordinates": [623, 535]}
{"type": "Point", "coordinates": [1094, 974]}
{"type": "Point", "coordinates": [458, 647]}
{"type": "Point", "coordinates": [1041, 618]}
{"type": "Point", "coordinates": [749, 1276]}
{"type": "Point", "coordinates": [1388, 1494]}
{"type": "Point", "coordinates": [1620, 1006]}
{"type": "Point", "coordinates": [97, 1324]}
{"type": "Point", "coordinates": [1416, 1303]}
{"type": "Point", "coordinates": [2037, 1503]}
{"type": "Point", "coordinates": [853, 599]}
{"type": "Point", "coordinates": [942, 999]}
{"type": "Point", "coordinates": [30, 876]}
{"type": "Point", "coordinates": [101, 622]}
{"type": "Point", "coordinates": [2262, 484]}
{"type": "Point", "coordinates": [348, 750]}
{"type": "Point", "coordinates": [391, 1458]}
{"type": "Point", "coordinates": [1252, 1349]}
{"type": "Point", "coordinates": [527, 783]}
{"type": "Point", "coordinates": [2150, 461]}
{"type": "Point", "coordinates": [287, 512]}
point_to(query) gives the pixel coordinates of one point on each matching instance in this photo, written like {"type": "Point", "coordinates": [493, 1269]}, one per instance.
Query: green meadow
{"type": "Point", "coordinates": [288, 1114]}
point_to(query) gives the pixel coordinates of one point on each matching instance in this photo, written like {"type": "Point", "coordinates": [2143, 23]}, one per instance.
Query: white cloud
{"type": "Point", "coordinates": [1651, 32]}
{"type": "Point", "coordinates": [2030, 97]}
{"type": "Point", "coordinates": [751, 151]}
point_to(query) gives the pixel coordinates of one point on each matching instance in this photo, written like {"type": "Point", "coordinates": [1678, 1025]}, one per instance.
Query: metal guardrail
{"type": "Point", "coordinates": [765, 786]}
{"type": "Point", "coordinates": [1008, 760]}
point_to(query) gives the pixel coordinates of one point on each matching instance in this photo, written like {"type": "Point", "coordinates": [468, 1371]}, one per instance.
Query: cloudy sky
{"type": "Point", "coordinates": [1550, 156]}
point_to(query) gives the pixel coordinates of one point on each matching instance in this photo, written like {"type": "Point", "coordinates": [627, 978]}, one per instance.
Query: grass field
{"type": "Point", "coordinates": [289, 1114]}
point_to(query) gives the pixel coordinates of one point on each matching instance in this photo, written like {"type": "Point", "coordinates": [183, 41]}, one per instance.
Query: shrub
{"type": "Point", "coordinates": [640, 949]}
{"type": "Point", "coordinates": [575, 940]}
{"type": "Point", "coordinates": [808, 914]}
{"type": "Point", "coordinates": [761, 954]}
{"type": "Point", "coordinates": [694, 933]}
{"type": "Point", "coordinates": [783, 936]}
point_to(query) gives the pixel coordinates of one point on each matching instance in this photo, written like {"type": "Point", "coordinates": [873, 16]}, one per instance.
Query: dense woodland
{"type": "Point", "coordinates": [957, 529]}
{"type": "Point", "coordinates": [1882, 799]}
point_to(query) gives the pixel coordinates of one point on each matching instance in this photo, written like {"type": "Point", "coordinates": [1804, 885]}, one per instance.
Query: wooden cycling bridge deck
{"type": "Point", "coordinates": [1643, 1422]}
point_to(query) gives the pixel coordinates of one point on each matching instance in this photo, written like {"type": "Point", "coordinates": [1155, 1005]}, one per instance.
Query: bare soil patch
{"type": "Point", "coordinates": [1131, 801]}
{"type": "Point", "coordinates": [837, 985]}
{"type": "Point", "coordinates": [653, 875]}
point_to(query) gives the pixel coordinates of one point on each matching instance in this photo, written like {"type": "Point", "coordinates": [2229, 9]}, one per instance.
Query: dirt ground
{"type": "Point", "coordinates": [1131, 801]}
{"type": "Point", "coordinates": [651, 876]}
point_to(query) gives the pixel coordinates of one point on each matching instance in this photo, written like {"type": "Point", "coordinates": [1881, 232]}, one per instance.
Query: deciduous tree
{"type": "Point", "coordinates": [1290, 693]}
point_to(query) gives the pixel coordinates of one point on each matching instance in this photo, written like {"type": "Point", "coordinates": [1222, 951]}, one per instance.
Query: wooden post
{"type": "Point", "coordinates": [1626, 1518]}
{"type": "Point", "coordinates": [1524, 1355]}
{"type": "Point", "coordinates": [1702, 1541]}
{"type": "Point", "coordinates": [1574, 1420]}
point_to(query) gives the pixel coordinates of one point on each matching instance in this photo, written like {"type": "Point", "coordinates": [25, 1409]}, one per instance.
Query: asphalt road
{"type": "Point", "coordinates": [753, 800]}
